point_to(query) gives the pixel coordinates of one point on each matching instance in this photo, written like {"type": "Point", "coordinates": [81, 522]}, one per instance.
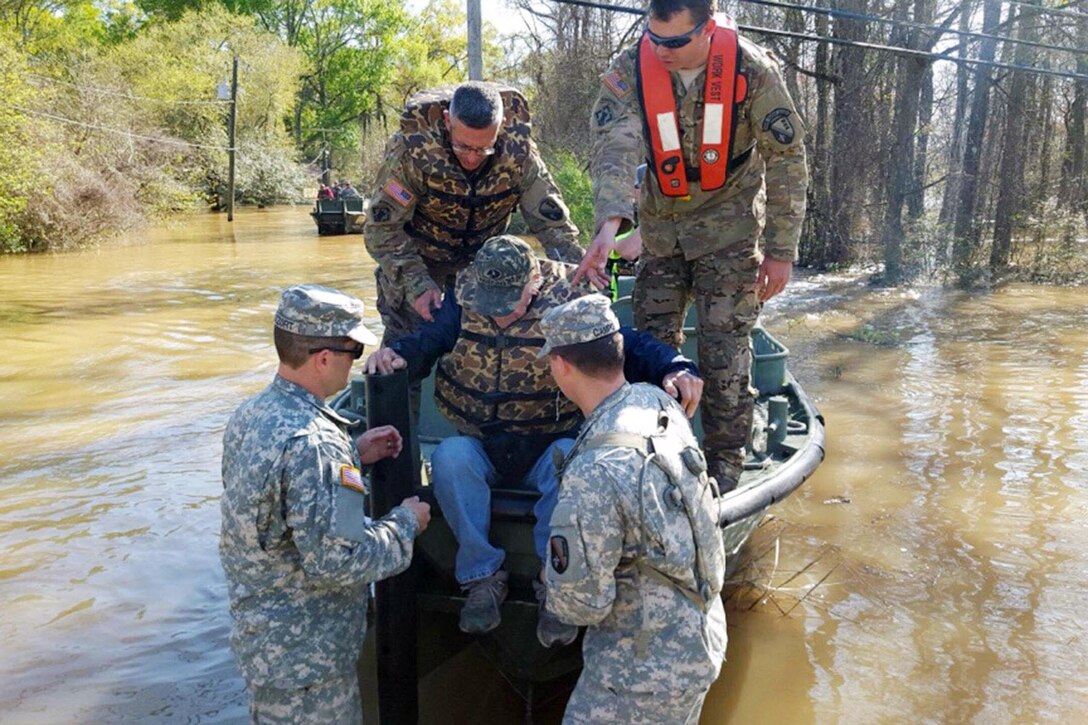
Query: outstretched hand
{"type": "Point", "coordinates": [384, 361]}
{"type": "Point", "coordinates": [592, 266]}
{"type": "Point", "coordinates": [688, 388]}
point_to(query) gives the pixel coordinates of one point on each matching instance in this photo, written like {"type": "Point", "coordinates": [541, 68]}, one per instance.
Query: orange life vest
{"type": "Point", "coordinates": [726, 88]}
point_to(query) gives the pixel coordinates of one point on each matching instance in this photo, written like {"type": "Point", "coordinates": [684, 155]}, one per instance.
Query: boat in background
{"type": "Point", "coordinates": [340, 216]}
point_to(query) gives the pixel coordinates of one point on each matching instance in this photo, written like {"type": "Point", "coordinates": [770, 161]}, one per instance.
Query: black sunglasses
{"type": "Point", "coordinates": [674, 41]}
{"type": "Point", "coordinates": [355, 352]}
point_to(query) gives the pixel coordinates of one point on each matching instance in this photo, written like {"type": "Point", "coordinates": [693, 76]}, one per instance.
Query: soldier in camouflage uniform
{"type": "Point", "coordinates": [460, 164]}
{"type": "Point", "coordinates": [625, 555]}
{"type": "Point", "coordinates": [296, 545]}
{"type": "Point", "coordinates": [491, 385]}
{"type": "Point", "coordinates": [730, 248]}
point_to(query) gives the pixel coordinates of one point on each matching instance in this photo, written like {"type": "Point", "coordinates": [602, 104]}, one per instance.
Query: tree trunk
{"type": "Point", "coordinates": [955, 148]}
{"type": "Point", "coordinates": [899, 169]}
{"type": "Point", "coordinates": [815, 251]}
{"type": "Point", "coordinates": [967, 231]}
{"type": "Point", "coordinates": [916, 199]}
{"type": "Point", "coordinates": [849, 131]}
{"type": "Point", "coordinates": [1010, 196]}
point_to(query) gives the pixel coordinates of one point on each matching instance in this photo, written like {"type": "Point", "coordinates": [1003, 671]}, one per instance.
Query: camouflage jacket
{"type": "Point", "coordinates": [644, 634]}
{"type": "Point", "coordinates": [492, 376]}
{"type": "Point", "coordinates": [296, 545]}
{"type": "Point", "coordinates": [428, 216]}
{"type": "Point", "coordinates": [765, 193]}
{"type": "Point", "coordinates": [646, 359]}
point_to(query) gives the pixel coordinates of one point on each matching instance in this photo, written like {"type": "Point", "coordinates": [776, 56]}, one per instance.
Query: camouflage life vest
{"type": "Point", "coordinates": [462, 210]}
{"type": "Point", "coordinates": [492, 378]}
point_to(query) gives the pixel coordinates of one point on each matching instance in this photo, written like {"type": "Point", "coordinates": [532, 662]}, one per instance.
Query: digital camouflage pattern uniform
{"type": "Point", "coordinates": [623, 564]}
{"type": "Point", "coordinates": [708, 246]}
{"type": "Point", "coordinates": [428, 216]}
{"type": "Point", "coordinates": [297, 547]}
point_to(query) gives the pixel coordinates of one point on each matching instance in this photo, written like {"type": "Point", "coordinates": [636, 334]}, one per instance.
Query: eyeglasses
{"type": "Point", "coordinates": [488, 151]}
{"type": "Point", "coordinates": [355, 352]}
{"type": "Point", "coordinates": [674, 41]}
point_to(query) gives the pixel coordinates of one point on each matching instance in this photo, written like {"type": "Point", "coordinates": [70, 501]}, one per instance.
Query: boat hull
{"type": "Point", "coordinates": [786, 450]}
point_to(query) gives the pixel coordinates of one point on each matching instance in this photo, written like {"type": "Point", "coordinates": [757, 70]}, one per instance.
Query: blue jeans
{"type": "Point", "coordinates": [462, 476]}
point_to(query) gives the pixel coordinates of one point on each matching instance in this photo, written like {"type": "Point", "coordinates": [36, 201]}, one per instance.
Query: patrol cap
{"type": "Point", "coordinates": [498, 275]}
{"type": "Point", "coordinates": [316, 311]}
{"type": "Point", "coordinates": [584, 319]}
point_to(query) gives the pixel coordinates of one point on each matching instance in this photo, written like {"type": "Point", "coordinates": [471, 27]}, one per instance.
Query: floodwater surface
{"type": "Point", "coordinates": [932, 570]}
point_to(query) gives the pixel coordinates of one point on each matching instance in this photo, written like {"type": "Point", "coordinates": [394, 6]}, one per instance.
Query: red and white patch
{"type": "Point", "coordinates": [398, 193]}
{"type": "Point", "coordinates": [351, 477]}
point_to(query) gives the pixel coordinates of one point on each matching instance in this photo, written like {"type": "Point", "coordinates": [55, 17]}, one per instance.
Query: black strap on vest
{"type": "Point", "coordinates": [482, 234]}
{"type": "Point", "coordinates": [488, 398]}
{"type": "Point", "coordinates": [482, 423]}
{"type": "Point", "coordinates": [501, 341]}
{"type": "Point", "coordinates": [474, 201]}
{"type": "Point", "coordinates": [734, 163]}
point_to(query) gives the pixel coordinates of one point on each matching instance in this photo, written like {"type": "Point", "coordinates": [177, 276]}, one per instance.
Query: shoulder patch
{"type": "Point", "coordinates": [560, 554]}
{"type": "Point", "coordinates": [395, 191]}
{"type": "Point", "coordinates": [381, 212]}
{"type": "Point", "coordinates": [604, 114]}
{"type": "Point", "coordinates": [616, 83]}
{"type": "Point", "coordinates": [550, 209]}
{"type": "Point", "coordinates": [351, 477]}
{"type": "Point", "coordinates": [779, 124]}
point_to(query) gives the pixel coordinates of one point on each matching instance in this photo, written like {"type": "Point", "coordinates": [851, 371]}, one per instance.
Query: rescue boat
{"type": "Point", "coordinates": [416, 613]}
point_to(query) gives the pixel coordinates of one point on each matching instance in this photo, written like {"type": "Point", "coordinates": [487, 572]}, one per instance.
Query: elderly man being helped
{"type": "Point", "coordinates": [502, 399]}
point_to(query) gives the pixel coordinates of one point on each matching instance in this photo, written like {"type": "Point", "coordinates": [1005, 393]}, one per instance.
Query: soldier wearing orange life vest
{"type": "Point", "coordinates": [721, 209]}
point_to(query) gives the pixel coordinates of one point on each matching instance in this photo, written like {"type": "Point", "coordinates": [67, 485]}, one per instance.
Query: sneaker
{"type": "Point", "coordinates": [482, 612]}
{"type": "Point", "coordinates": [550, 631]}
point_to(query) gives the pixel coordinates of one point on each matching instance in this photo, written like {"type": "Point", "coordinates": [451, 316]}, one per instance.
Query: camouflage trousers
{"type": "Point", "coordinates": [722, 285]}
{"type": "Point", "coordinates": [591, 704]}
{"type": "Point", "coordinates": [332, 702]}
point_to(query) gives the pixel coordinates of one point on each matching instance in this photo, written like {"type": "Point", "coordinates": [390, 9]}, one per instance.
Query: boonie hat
{"type": "Point", "coordinates": [498, 275]}
{"type": "Point", "coordinates": [584, 319]}
{"type": "Point", "coordinates": [316, 311]}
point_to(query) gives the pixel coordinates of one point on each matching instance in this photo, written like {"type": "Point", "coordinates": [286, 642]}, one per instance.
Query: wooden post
{"type": "Point", "coordinates": [395, 622]}
{"type": "Point", "coordinates": [475, 42]}
{"type": "Point", "coordinates": [230, 131]}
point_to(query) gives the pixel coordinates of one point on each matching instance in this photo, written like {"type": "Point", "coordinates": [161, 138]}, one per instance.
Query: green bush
{"type": "Point", "coordinates": [573, 180]}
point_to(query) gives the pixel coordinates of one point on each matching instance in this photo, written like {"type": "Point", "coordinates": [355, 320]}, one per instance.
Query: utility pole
{"type": "Point", "coordinates": [475, 42]}
{"type": "Point", "coordinates": [230, 132]}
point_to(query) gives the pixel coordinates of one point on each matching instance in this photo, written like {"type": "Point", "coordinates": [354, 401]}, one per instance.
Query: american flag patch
{"type": "Point", "coordinates": [398, 193]}
{"type": "Point", "coordinates": [617, 85]}
{"type": "Point", "coordinates": [352, 478]}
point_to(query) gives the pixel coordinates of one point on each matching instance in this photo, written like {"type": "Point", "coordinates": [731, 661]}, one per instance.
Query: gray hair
{"type": "Point", "coordinates": [477, 105]}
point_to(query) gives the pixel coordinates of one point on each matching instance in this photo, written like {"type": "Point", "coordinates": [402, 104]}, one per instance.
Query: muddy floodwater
{"type": "Point", "coordinates": [933, 570]}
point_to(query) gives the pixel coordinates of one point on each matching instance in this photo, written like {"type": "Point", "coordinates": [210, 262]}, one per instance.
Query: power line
{"type": "Point", "coordinates": [859, 44]}
{"type": "Point", "coordinates": [121, 94]}
{"type": "Point", "coordinates": [118, 131]}
{"type": "Point", "coordinates": [912, 24]}
{"type": "Point", "coordinates": [915, 53]}
{"type": "Point", "coordinates": [1041, 10]}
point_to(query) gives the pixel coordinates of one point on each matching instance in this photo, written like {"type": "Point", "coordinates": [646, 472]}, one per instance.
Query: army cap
{"type": "Point", "coordinates": [498, 275]}
{"type": "Point", "coordinates": [316, 311]}
{"type": "Point", "coordinates": [584, 319]}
